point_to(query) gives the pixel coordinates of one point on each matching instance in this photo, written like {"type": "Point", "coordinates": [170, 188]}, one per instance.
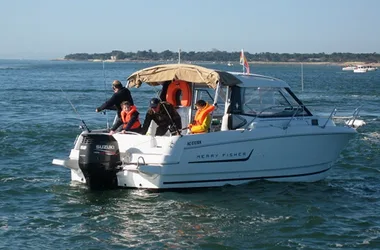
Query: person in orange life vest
{"type": "Point", "coordinates": [129, 119]}
{"type": "Point", "coordinates": [202, 119]}
{"type": "Point", "coordinates": [114, 103]}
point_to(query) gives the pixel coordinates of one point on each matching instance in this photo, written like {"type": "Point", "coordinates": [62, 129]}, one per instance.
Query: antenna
{"type": "Point", "coordinates": [301, 76]}
{"type": "Point", "coordinates": [105, 93]}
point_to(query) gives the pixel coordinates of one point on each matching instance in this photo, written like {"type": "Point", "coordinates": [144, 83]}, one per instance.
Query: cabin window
{"type": "Point", "coordinates": [208, 96]}
{"type": "Point", "coordinates": [265, 102]}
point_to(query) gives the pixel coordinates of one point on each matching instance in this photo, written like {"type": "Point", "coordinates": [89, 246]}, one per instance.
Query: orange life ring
{"type": "Point", "coordinates": [179, 93]}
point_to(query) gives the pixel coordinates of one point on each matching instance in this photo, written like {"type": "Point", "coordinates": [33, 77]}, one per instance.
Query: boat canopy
{"type": "Point", "coordinates": [156, 75]}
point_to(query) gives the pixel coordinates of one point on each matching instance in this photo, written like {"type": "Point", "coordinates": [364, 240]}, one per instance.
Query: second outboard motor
{"type": "Point", "coordinates": [99, 158]}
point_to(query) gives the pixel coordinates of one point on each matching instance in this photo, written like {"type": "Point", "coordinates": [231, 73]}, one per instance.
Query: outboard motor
{"type": "Point", "coordinates": [99, 158]}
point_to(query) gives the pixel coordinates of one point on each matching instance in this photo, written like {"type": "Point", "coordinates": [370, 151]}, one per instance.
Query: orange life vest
{"type": "Point", "coordinates": [126, 117]}
{"type": "Point", "coordinates": [201, 115]}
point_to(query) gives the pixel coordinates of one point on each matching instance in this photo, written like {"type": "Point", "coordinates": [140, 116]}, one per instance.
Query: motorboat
{"type": "Point", "coordinates": [260, 130]}
{"type": "Point", "coordinates": [371, 68]}
{"type": "Point", "coordinates": [349, 68]}
{"type": "Point", "coordinates": [364, 68]}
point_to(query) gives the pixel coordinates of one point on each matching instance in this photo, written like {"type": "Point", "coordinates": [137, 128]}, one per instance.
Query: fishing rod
{"type": "Point", "coordinates": [105, 94]}
{"type": "Point", "coordinates": [167, 112]}
{"type": "Point", "coordinates": [75, 110]}
{"type": "Point", "coordinates": [171, 120]}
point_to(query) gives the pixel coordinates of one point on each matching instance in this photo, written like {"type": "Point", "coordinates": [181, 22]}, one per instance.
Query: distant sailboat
{"type": "Point", "coordinates": [244, 62]}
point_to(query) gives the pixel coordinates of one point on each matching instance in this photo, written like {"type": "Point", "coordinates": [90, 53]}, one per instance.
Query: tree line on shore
{"type": "Point", "coordinates": [224, 56]}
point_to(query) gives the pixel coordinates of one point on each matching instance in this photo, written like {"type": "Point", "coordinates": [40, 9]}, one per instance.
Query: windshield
{"type": "Point", "coordinates": [266, 102]}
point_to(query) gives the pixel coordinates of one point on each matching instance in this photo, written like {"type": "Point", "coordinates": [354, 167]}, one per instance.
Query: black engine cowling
{"type": "Point", "coordinates": [99, 158]}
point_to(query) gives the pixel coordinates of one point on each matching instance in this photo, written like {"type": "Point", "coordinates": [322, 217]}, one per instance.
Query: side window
{"type": "Point", "coordinates": [208, 96]}
{"type": "Point", "coordinates": [264, 102]}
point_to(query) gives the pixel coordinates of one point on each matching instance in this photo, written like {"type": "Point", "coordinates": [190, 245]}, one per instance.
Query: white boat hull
{"type": "Point", "coordinates": [246, 161]}
{"type": "Point", "coordinates": [228, 157]}
{"type": "Point", "coordinates": [349, 68]}
{"type": "Point", "coordinates": [364, 68]}
{"type": "Point", "coordinates": [360, 70]}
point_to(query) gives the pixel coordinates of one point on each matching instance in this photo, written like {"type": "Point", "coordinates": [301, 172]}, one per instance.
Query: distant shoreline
{"type": "Point", "coordinates": [234, 63]}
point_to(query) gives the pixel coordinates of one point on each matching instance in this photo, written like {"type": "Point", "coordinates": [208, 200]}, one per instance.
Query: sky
{"type": "Point", "coordinates": [48, 29]}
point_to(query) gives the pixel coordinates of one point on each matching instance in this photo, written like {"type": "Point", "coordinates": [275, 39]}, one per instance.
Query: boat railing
{"type": "Point", "coordinates": [355, 115]}
{"type": "Point", "coordinates": [356, 112]}
{"type": "Point", "coordinates": [138, 162]}
{"type": "Point", "coordinates": [330, 117]}
{"type": "Point", "coordinates": [291, 119]}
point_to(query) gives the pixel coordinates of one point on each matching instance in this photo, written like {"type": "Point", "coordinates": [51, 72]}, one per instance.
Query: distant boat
{"type": "Point", "coordinates": [371, 68]}
{"type": "Point", "coordinates": [349, 68]}
{"type": "Point", "coordinates": [364, 68]}
{"type": "Point", "coordinates": [230, 64]}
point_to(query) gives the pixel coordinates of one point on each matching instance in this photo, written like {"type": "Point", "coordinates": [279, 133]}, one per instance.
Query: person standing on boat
{"type": "Point", "coordinates": [164, 115]}
{"type": "Point", "coordinates": [129, 119]}
{"type": "Point", "coordinates": [114, 103]}
{"type": "Point", "coordinates": [202, 119]}
{"type": "Point", "coordinates": [164, 90]}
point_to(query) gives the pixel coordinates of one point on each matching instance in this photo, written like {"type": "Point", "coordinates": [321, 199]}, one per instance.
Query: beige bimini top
{"type": "Point", "coordinates": [156, 75]}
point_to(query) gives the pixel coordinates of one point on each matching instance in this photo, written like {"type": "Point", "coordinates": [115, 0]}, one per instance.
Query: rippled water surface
{"type": "Point", "coordinates": [41, 209]}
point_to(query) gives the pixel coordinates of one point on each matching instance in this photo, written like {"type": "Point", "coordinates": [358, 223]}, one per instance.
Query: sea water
{"type": "Point", "coordinates": [40, 208]}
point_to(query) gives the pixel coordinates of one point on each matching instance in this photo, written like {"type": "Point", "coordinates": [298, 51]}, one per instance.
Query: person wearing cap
{"type": "Point", "coordinates": [129, 119]}
{"type": "Point", "coordinates": [202, 119]}
{"type": "Point", "coordinates": [164, 115]}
